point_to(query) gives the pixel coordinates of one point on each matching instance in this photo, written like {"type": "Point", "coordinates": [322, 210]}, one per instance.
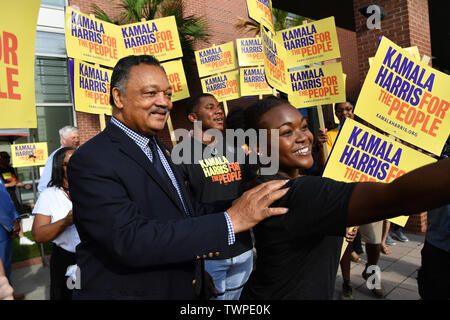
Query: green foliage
{"type": "Point", "coordinates": [280, 19]}
{"type": "Point", "coordinates": [190, 28]}
{"type": "Point", "coordinates": [26, 252]}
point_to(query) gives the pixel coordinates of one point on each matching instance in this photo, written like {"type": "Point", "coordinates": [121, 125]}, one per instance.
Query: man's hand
{"type": "Point", "coordinates": [6, 291]}
{"type": "Point", "coordinates": [16, 229]}
{"type": "Point", "coordinates": [253, 205]}
{"type": "Point", "coordinates": [210, 288]}
{"type": "Point", "coordinates": [350, 233]}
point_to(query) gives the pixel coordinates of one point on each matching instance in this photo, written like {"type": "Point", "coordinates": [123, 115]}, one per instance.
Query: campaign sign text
{"type": "Point", "coordinates": [406, 98]}
{"type": "Point", "coordinates": [317, 86]}
{"type": "Point", "coordinates": [224, 86]}
{"type": "Point", "coordinates": [362, 154]}
{"type": "Point", "coordinates": [309, 43]}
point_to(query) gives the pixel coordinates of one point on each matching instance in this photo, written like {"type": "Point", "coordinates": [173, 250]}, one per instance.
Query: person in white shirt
{"type": "Point", "coordinates": [70, 137]}
{"type": "Point", "coordinates": [53, 222]}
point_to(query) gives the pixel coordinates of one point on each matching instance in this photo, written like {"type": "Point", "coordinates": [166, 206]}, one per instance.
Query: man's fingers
{"type": "Point", "coordinates": [276, 211]}
{"type": "Point", "coordinates": [268, 198]}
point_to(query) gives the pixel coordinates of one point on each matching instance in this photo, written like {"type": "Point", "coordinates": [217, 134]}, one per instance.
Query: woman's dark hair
{"type": "Point", "coordinates": [58, 167]}
{"type": "Point", "coordinates": [253, 114]}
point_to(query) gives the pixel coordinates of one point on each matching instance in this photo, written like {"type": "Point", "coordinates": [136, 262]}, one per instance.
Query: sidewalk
{"type": "Point", "coordinates": [399, 272]}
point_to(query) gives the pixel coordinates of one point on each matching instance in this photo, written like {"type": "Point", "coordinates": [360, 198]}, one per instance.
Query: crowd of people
{"type": "Point", "coordinates": [138, 226]}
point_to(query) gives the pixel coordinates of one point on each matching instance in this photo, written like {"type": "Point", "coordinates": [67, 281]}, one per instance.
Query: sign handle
{"type": "Point", "coordinates": [320, 115]}
{"type": "Point", "coordinates": [225, 107]}
{"type": "Point", "coordinates": [172, 134]}
{"type": "Point", "coordinates": [169, 120]}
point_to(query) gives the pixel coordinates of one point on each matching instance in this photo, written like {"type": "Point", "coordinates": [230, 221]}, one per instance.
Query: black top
{"type": "Point", "coordinates": [297, 255]}
{"type": "Point", "coordinates": [215, 175]}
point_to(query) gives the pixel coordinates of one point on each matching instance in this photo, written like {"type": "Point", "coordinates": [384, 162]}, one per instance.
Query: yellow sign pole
{"type": "Point", "coordinates": [320, 115]}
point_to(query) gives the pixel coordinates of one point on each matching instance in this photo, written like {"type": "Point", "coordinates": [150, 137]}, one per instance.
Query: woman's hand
{"type": "Point", "coordinates": [321, 137]}
{"type": "Point", "coordinates": [68, 220]}
{"type": "Point", "coordinates": [350, 234]}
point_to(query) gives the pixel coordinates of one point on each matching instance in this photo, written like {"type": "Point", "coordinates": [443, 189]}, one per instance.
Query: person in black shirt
{"type": "Point", "coordinates": [290, 248]}
{"type": "Point", "coordinates": [215, 175]}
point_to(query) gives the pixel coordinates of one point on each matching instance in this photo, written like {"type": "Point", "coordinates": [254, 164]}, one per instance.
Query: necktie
{"type": "Point", "coordinates": [163, 173]}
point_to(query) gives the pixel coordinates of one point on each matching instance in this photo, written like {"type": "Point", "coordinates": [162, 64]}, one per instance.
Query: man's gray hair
{"type": "Point", "coordinates": [64, 131]}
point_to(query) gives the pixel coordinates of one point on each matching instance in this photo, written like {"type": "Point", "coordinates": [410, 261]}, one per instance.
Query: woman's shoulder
{"type": "Point", "coordinates": [49, 192]}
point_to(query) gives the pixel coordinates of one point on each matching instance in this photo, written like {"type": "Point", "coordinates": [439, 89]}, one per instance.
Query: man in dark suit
{"type": "Point", "coordinates": [141, 236]}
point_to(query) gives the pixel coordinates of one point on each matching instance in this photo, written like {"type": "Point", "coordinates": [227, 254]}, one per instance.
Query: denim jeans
{"type": "Point", "coordinates": [230, 275]}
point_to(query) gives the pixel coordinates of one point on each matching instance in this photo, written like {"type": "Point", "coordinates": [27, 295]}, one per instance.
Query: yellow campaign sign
{"type": "Point", "coordinates": [253, 82]}
{"type": "Point", "coordinates": [223, 86]}
{"type": "Point", "coordinates": [91, 88]}
{"type": "Point", "coordinates": [250, 52]}
{"type": "Point", "coordinates": [406, 98]}
{"type": "Point", "coordinates": [311, 42]}
{"type": "Point", "coordinates": [17, 44]}
{"type": "Point", "coordinates": [216, 59]}
{"type": "Point", "coordinates": [414, 51]}
{"type": "Point", "coordinates": [177, 79]}
{"type": "Point", "coordinates": [336, 120]}
{"type": "Point", "coordinates": [158, 37]}
{"type": "Point", "coordinates": [261, 12]}
{"type": "Point", "coordinates": [91, 39]}
{"type": "Point", "coordinates": [317, 86]}
{"type": "Point", "coordinates": [29, 154]}
{"type": "Point", "coordinates": [275, 63]}
{"type": "Point", "coordinates": [362, 154]}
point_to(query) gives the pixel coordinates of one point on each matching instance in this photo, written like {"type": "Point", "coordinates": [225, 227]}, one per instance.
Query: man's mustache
{"type": "Point", "coordinates": [159, 109]}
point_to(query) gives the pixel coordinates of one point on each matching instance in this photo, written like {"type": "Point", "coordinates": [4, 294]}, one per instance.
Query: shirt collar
{"type": "Point", "coordinates": [139, 139]}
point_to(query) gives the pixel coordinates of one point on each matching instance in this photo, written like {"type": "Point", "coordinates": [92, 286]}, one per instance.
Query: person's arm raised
{"type": "Point", "coordinates": [422, 189]}
{"type": "Point", "coordinates": [253, 205]}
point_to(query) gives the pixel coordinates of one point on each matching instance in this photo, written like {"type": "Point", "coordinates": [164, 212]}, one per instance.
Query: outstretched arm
{"type": "Point", "coordinates": [425, 188]}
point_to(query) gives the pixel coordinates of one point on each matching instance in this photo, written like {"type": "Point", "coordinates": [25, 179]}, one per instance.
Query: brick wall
{"type": "Point", "coordinates": [406, 24]}
{"type": "Point", "coordinates": [419, 26]}
{"type": "Point", "coordinates": [349, 60]}
{"type": "Point", "coordinates": [85, 6]}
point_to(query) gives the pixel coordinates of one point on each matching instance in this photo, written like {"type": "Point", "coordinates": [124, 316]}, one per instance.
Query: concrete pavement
{"type": "Point", "coordinates": [399, 272]}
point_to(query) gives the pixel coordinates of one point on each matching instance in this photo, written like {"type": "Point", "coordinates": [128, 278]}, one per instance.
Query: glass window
{"type": "Point", "coordinates": [55, 3]}
{"type": "Point", "coordinates": [52, 81]}
{"type": "Point", "coordinates": [50, 43]}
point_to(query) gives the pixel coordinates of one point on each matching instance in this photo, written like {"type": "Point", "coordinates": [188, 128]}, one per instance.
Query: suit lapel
{"type": "Point", "coordinates": [131, 149]}
{"type": "Point", "coordinates": [178, 176]}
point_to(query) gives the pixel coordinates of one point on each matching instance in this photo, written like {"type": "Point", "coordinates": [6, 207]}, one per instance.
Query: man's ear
{"type": "Point", "coordinates": [192, 117]}
{"type": "Point", "coordinates": [117, 97]}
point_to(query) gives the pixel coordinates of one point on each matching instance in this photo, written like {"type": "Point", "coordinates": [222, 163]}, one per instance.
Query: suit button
{"type": "Point", "coordinates": [194, 282]}
{"type": "Point", "coordinates": [197, 258]}
{"type": "Point", "coordinates": [205, 256]}
{"type": "Point", "coordinates": [210, 255]}
{"type": "Point", "coordinates": [217, 253]}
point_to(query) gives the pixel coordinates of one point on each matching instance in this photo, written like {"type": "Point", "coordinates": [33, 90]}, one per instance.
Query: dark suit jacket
{"type": "Point", "coordinates": [136, 241]}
